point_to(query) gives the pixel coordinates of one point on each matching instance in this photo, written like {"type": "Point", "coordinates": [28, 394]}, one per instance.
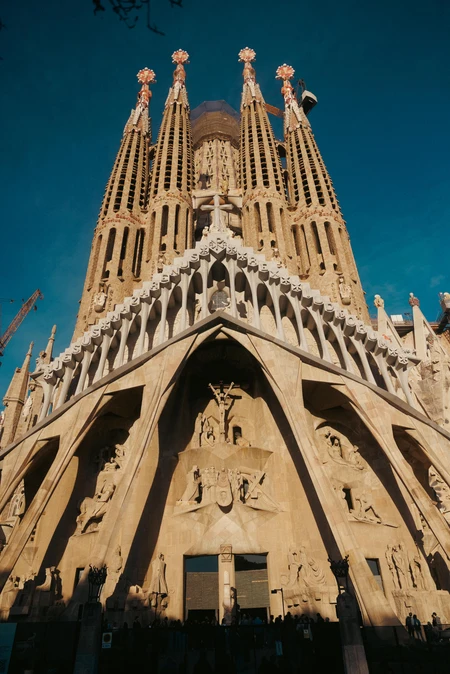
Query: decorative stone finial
{"type": "Point", "coordinates": [413, 301]}
{"type": "Point", "coordinates": [247, 55]}
{"type": "Point", "coordinates": [292, 117]}
{"type": "Point", "coordinates": [378, 301]}
{"type": "Point", "coordinates": [285, 72]}
{"type": "Point", "coordinates": [180, 56]}
{"type": "Point", "coordinates": [145, 77]}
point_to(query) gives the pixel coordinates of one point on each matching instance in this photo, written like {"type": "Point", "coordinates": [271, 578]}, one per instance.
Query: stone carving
{"type": "Point", "coordinates": [224, 402]}
{"type": "Point", "coordinates": [342, 451]}
{"type": "Point", "coordinates": [345, 292]}
{"type": "Point", "coordinates": [115, 567]}
{"type": "Point", "coordinates": [204, 432]}
{"type": "Point", "coordinates": [442, 491]}
{"type": "Point", "coordinates": [415, 567]}
{"type": "Point", "coordinates": [365, 508]}
{"type": "Point", "coordinates": [413, 301]}
{"type": "Point", "coordinates": [378, 301]}
{"type": "Point", "coordinates": [17, 595]}
{"type": "Point", "coordinates": [92, 510]}
{"type": "Point", "coordinates": [398, 566]}
{"type": "Point", "coordinates": [224, 487]}
{"type": "Point", "coordinates": [27, 407]}
{"type": "Point", "coordinates": [13, 513]}
{"type": "Point", "coordinates": [99, 301]}
{"type": "Point", "coordinates": [158, 592]}
{"type": "Point", "coordinates": [304, 573]}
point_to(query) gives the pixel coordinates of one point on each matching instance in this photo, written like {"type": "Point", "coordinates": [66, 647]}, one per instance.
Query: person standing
{"type": "Point", "coordinates": [410, 625]}
{"type": "Point", "coordinates": [417, 627]}
{"type": "Point", "coordinates": [436, 621]}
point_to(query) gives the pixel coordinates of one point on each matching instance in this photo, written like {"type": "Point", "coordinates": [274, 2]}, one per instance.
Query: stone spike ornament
{"type": "Point", "coordinates": [146, 76]}
{"type": "Point", "coordinates": [180, 56]}
{"type": "Point", "coordinates": [247, 55]}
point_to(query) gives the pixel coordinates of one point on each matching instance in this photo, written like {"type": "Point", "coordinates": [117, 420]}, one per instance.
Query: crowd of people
{"type": "Point", "coordinates": [432, 631]}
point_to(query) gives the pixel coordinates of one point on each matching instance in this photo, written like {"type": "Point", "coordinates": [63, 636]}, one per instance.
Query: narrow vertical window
{"type": "Point", "coordinates": [177, 224]}
{"type": "Point", "coordinates": [164, 221]}
{"type": "Point", "coordinates": [374, 566]}
{"type": "Point", "coordinates": [270, 218]}
{"type": "Point", "coordinates": [137, 255]}
{"type": "Point", "coordinates": [109, 252]}
{"type": "Point", "coordinates": [316, 238]}
{"type": "Point", "coordinates": [258, 218]}
{"type": "Point", "coordinates": [123, 251]}
{"type": "Point", "coordinates": [95, 261]}
{"type": "Point", "coordinates": [188, 243]}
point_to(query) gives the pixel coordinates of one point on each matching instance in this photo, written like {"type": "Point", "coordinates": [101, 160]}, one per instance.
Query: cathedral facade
{"type": "Point", "coordinates": [226, 417]}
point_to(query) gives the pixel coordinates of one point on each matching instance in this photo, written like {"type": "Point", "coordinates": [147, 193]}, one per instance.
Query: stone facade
{"type": "Point", "coordinates": [218, 404]}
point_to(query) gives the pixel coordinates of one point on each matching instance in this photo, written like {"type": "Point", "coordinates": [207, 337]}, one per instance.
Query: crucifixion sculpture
{"type": "Point", "coordinates": [224, 401]}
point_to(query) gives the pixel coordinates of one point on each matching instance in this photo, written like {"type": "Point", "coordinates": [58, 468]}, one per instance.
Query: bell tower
{"type": "Point", "coordinates": [322, 244]}
{"type": "Point", "coordinates": [115, 263]}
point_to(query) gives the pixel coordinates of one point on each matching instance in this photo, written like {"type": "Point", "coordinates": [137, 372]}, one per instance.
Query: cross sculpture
{"type": "Point", "coordinates": [216, 208]}
{"type": "Point", "coordinates": [224, 402]}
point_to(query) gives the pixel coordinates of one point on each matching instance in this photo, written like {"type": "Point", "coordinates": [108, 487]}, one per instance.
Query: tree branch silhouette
{"type": "Point", "coordinates": [129, 11]}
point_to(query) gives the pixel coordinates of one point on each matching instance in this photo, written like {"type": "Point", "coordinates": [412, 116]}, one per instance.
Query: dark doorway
{"type": "Point", "coordinates": [201, 587]}
{"type": "Point", "coordinates": [202, 615]}
{"type": "Point", "coordinates": [252, 585]}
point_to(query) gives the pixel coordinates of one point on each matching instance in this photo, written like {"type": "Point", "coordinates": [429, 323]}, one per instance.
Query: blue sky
{"type": "Point", "coordinates": [68, 80]}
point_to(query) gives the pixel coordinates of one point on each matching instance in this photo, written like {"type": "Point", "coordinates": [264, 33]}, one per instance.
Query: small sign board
{"type": "Point", "coordinates": [106, 639]}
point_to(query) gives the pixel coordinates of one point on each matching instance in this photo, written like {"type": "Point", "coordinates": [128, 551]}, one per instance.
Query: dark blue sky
{"type": "Point", "coordinates": [68, 79]}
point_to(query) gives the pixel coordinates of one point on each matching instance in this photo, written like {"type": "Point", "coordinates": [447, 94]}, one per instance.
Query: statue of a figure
{"type": "Point", "coordinates": [27, 407]}
{"type": "Point", "coordinates": [345, 291]}
{"type": "Point", "coordinates": [401, 566]}
{"type": "Point", "coordinates": [209, 482]}
{"type": "Point", "coordinates": [191, 494]}
{"type": "Point", "coordinates": [13, 513]}
{"type": "Point", "coordinates": [115, 567]}
{"type": "Point", "coordinates": [378, 301]}
{"type": "Point", "coordinates": [224, 402]}
{"type": "Point", "coordinates": [442, 491]}
{"type": "Point", "coordinates": [364, 507]}
{"type": "Point", "coordinates": [415, 566]}
{"type": "Point", "coordinates": [158, 584]}
{"type": "Point", "coordinates": [95, 508]}
{"type": "Point", "coordinates": [343, 452]}
{"type": "Point", "coordinates": [99, 301]}
{"type": "Point", "coordinates": [204, 432]}
{"type": "Point", "coordinates": [310, 571]}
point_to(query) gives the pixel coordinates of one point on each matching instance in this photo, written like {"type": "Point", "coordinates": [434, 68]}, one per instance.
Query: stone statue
{"type": "Point", "coordinates": [14, 513]}
{"type": "Point", "coordinates": [365, 509]}
{"type": "Point", "coordinates": [343, 451]}
{"type": "Point", "coordinates": [115, 567]}
{"type": "Point", "coordinates": [99, 301]}
{"type": "Point", "coordinates": [224, 402]}
{"type": "Point", "coordinates": [158, 584]}
{"type": "Point", "coordinates": [415, 566]}
{"type": "Point", "coordinates": [27, 407]}
{"type": "Point", "coordinates": [345, 291]}
{"type": "Point", "coordinates": [92, 510]}
{"type": "Point", "coordinates": [203, 431]}
{"type": "Point", "coordinates": [442, 491]}
{"type": "Point", "coordinates": [413, 301]}
{"type": "Point", "coordinates": [399, 566]}
{"type": "Point", "coordinates": [191, 494]}
{"type": "Point", "coordinates": [378, 301]}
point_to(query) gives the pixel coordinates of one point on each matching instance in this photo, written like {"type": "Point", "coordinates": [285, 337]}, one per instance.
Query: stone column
{"type": "Point", "coordinates": [227, 584]}
{"type": "Point", "coordinates": [86, 659]}
{"type": "Point", "coordinates": [353, 653]}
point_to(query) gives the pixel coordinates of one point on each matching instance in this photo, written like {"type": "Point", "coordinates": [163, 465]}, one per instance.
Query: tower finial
{"type": "Point", "coordinates": [291, 121]}
{"type": "Point", "coordinates": [180, 56]}
{"type": "Point", "coordinates": [145, 77]}
{"type": "Point", "coordinates": [247, 56]}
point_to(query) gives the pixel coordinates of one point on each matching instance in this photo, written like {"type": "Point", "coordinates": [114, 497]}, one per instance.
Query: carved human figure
{"type": "Point", "coordinates": [415, 566]}
{"type": "Point", "coordinates": [442, 491]}
{"type": "Point", "coordinates": [116, 564]}
{"type": "Point", "coordinates": [27, 407]}
{"type": "Point", "coordinates": [209, 481]}
{"type": "Point", "coordinates": [192, 492]}
{"type": "Point", "coordinates": [95, 508]}
{"type": "Point", "coordinates": [345, 291]}
{"type": "Point", "coordinates": [223, 400]}
{"type": "Point", "coordinates": [391, 567]}
{"type": "Point", "coordinates": [158, 584]}
{"type": "Point", "coordinates": [310, 570]}
{"type": "Point", "coordinates": [365, 508]}
{"type": "Point", "coordinates": [342, 451]}
{"type": "Point", "coordinates": [99, 301]}
{"type": "Point", "coordinates": [378, 301]}
{"type": "Point", "coordinates": [401, 566]}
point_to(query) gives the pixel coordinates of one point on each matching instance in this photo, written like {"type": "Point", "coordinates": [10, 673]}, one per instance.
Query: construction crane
{"type": "Point", "coordinates": [17, 320]}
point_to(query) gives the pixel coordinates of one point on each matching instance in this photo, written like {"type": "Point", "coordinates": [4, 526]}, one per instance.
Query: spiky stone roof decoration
{"type": "Point", "coordinates": [146, 76]}
{"type": "Point", "coordinates": [180, 56]}
{"type": "Point", "coordinates": [285, 72]}
{"type": "Point", "coordinates": [247, 55]}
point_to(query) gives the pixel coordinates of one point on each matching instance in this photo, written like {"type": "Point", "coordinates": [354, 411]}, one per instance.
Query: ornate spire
{"type": "Point", "coordinates": [251, 90]}
{"type": "Point", "coordinates": [15, 398]}
{"type": "Point", "coordinates": [177, 92]}
{"type": "Point", "coordinates": [117, 250]}
{"type": "Point", "coordinates": [170, 205]}
{"type": "Point", "coordinates": [49, 349]}
{"type": "Point", "coordinates": [292, 115]}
